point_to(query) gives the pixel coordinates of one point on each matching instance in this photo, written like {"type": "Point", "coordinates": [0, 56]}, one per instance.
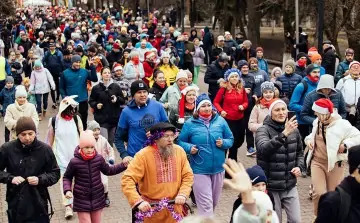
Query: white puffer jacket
{"type": "Point", "coordinates": [350, 90]}
{"type": "Point", "coordinates": [337, 132]}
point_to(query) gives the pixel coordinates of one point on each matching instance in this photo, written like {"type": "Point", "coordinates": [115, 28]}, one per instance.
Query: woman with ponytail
{"type": "Point", "coordinates": [231, 101]}
{"type": "Point", "coordinates": [261, 109]}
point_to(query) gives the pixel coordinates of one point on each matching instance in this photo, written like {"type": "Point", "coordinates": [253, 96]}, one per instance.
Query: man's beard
{"type": "Point", "coordinates": [166, 152]}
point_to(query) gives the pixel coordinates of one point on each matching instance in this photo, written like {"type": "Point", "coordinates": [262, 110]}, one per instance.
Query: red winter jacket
{"type": "Point", "coordinates": [231, 100]}
{"type": "Point", "coordinates": [148, 70]}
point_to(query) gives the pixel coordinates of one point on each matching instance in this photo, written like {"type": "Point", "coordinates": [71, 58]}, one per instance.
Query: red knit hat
{"type": "Point", "coordinates": [116, 46]}
{"type": "Point", "coordinates": [323, 106]}
{"type": "Point", "coordinates": [181, 119]}
{"type": "Point", "coordinates": [110, 36]}
{"type": "Point", "coordinates": [259, 49]}
{"type": "Point", "coordinates": [313, 49]}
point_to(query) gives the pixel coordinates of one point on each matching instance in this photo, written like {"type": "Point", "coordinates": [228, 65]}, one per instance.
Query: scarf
{"type": "Point", "coordinates": [205, 118]}
{"type": "Point", "coordinates": [67, 117]}
{"type": "Point", "coordinates": [266, 103]}
{"type": "Point", "coordinates": [313, 79]}
{"type": "Point", "coordinates": [87, 157]}
{"type": "Point", "coordinates": [162, 85]}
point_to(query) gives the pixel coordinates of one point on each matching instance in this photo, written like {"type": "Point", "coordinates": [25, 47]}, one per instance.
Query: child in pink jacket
{"type": "Point", "coordinates": [103, 147]}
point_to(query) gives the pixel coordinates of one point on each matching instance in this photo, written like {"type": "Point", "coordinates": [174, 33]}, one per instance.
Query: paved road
{"type": "Point", "coordinates": [119, 211]}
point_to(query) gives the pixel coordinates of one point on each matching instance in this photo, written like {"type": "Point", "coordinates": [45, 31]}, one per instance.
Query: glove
{"type": "Point", "coordinates": [111, 162]}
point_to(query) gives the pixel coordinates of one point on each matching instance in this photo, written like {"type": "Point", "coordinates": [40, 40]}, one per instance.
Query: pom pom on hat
{"type": "Point", "coordinates": [232, 71]}
{"type": "Point", "coordinates": [323, 106]}
{"type": "Point", "coordinates": [87, 139]}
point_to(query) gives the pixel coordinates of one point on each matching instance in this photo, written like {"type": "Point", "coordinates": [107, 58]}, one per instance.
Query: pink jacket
{"type": "Point", "coordinates": [103, 147]}
{"type": "Point", "coordinates": [257, 117]}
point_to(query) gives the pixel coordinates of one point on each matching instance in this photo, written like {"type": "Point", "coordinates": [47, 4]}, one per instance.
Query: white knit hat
{"type": "Point", "coordinates": [274, 103]}
{"type": "Point", "coordinates": [20, 91]}
{"type": "Point", "coordinates": [181, 74]}
{"type": "Point", "coordinates": [353, 63]}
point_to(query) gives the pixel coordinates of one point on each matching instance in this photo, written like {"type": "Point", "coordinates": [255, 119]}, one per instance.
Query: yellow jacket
{"type": "Point", "coordinates": [169, 73]}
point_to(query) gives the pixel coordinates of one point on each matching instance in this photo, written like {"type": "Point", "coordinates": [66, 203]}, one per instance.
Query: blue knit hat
{"type": "Point", "coordinates": [201, 99]}
{"type": "Point", "coordinates": [256, 174]}
{"type": "Point", "coordinates": [230, 72]}
{"type": "Point", "coordinates": [37, 63]}
{"type": "Point", "coordinates": [242, 63]}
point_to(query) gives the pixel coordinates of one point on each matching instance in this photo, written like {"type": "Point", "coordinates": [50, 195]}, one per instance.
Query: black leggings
{"type": "Point", "coordinates": [237, 128]}
{"type": "Point", "coordinates": [52, 93]}
{"type": "Point", "coordinates": [83, 111]}
{"type": "Point", "coordinates": [249, 134]}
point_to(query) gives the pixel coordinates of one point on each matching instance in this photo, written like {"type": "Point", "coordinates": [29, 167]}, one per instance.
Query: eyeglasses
{"type": "Point", "coordinates": [172, 137]}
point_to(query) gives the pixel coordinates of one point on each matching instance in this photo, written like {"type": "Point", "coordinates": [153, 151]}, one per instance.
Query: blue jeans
{"type": "Point", "coordinates": [44, 101]}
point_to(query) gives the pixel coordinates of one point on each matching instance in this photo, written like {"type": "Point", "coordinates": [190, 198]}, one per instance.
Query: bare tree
{"type": "Point", "coordinates": [352, 28]}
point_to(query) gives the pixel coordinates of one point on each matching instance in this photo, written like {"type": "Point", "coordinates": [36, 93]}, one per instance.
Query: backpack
{"type": "Point", "coordinates": [53, 121]}
{"type": "Point", "coordinates": [345, 204]}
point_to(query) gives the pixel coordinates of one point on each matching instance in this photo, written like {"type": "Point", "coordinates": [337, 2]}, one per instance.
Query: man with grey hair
{"type": "Point", "coordinates": [245, 52]}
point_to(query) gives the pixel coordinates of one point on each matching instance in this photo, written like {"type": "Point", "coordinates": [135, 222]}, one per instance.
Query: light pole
{"type": "Point", "coordinates": [297, 24]}
{"type": "Point", "coordinates": [320, 26]}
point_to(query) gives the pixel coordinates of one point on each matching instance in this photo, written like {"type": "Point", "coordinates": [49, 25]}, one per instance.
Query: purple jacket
{"type": "Point", "coordinates": [88, 190]}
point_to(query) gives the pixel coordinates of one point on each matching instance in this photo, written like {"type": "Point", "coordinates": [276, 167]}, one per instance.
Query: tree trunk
{"type": "Point", "coordinates": [253, 26]}
{"type": "Point", "coordinates": [353, 32]}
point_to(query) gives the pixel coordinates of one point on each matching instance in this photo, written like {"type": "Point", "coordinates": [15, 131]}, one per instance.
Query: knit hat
{"type": "Point", "coordinates": [259, 49]}
{"type": "Point", "coordinates": [37, 63]}
{"type": "Point", "coordinates": [9, 79]}
{"type": "Point", "coordinates": [20, 91]}
{"type": "Point", "coordinates": [242, 63]}
{"type": "Point", "coordinates": [301, 54]}
{"type": "Point", "coordinates": [75, 58]}
{"type": "Point", "coordinates": [349, 51]}
{"type": "Point", "coordinates": [230, 72]}
{"type": "Point", "coordinates": [24, 123]}
{"type": "Point", "coordinates": [275, 69]}
{"type": "Point", "coordinates": [165, 54]}
{"type": "Point", "coordinates": [323, 106]}
{"type": "Point", "coordinates": [117, 67]}
{"type": "Point", "coordinates": [312, 51]}
{"type": "Point", "coordinates": [137, 86]}
{"type": "Point", "coordinates": [93, 125]}
{"type": "Point", "coordinates": [290, 63]}
{"type": "Point", "coordinates": [267, 85]}
{"type": "Point", "coordinates": [116, 46]}
{"type": "Point", "coordinates": [256, 174]}
{"type": "Point", "coordinates": [181, 74]}
{"type": "Point", "coordinates": [274, 103]}
{"type": "Point", "coordinates": [353, 63]}
{"type": "Point", "coordinates": [181, 119]}
{"type": "Point", "coordinates": [110, 37]}
{"type": "Point", "coordinates": [87, 139]}
{"type": "Point", "coordinates": [354, 158]}
{"type": "Point", "coordinates": [311, 68]}
{"type": "Point", "coordinates": [315, 57]}
{"type": "Point", "coordinates": [201, 99]}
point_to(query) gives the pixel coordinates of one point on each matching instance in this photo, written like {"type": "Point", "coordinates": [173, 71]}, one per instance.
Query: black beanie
{"type": "Point", "coordinates": [299, 55]}
{"type": "Point", "coordinates": [354, 158]}
{"type": "Point", "coordinates": [137, 86]}
{"type": "Point", "coordinates": [23, 124]}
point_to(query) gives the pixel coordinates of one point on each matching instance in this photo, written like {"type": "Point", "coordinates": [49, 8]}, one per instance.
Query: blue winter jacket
{"type": "Point", "coordinates": [209, 158]}
{"type": "Point", "coordinates": [133, 124]}
{"type": "Point", "coordinates": [289, 82]}
{"type": "Point", "coordinates": [74, 82]}
{"type": "Point", "coordinates": [263, 65]}
{"type": "Point", "coordinates": [7, 97]}
{"type": "Point", "coordinates": [298, 96]}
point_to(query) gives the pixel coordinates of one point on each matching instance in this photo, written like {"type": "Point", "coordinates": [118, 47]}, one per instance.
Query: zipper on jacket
{"type": "Point", "coordinates": [91, 201]}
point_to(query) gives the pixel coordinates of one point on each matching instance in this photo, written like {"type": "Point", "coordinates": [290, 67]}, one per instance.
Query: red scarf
{"type": "Point", "coordinates": [205, 115]}
{"type": "Point", "coordinates": [66, 117]}
{"type": "Point", "coordinates": [189, 106]}
{"type": "Point", "coordinates": [182, 88]}
{"type": "Point", "coordinates": [266, 103]}
{"type": "Point", "coordinates": [87, 157]}
{"type": "Point", "coordinates": [313, 79]}
{"type": "Point", "coordinates": [162, 85]}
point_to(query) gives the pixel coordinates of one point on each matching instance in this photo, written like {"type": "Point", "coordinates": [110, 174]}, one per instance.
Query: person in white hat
{"type": "Point", "coordinates": [328, 143]}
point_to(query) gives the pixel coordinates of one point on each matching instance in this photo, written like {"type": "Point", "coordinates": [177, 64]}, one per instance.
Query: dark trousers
{"type": "Point", "coordinates": [304, 131]}
{"type": "Point", "coordinates": [83, 111]}
{"type": "Point", "coordinates": [351, 118]}
{"type": "Point", "coordinates": [249, 134]}
{"type": "Point", "coordinates": [53, 97]}
{"type": "Point", "coordinates": [2, 84]}
{"type": "Point", "coordinates": [7, 134]}
{"type": "Point", "coordinates": [189, 66]}
{"type": "Point", "coordinates": [207, 59]}
{"type": "Point", "coordinates": [40, 102]}
{"type": "Point", "coordinates": [237, 128]}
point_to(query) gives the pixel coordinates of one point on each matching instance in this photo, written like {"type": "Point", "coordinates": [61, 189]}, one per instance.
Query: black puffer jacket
{"type": "Point", "coordinates": [110, 112]}
{"type": "Point", "coordinates": [27, 203]}
{"type": "Point", "coordinates": [277, 157]}
{"type": "Point", "coordinates": [213, 73]}
{"type": "Point", "coordinates": [157, 91]}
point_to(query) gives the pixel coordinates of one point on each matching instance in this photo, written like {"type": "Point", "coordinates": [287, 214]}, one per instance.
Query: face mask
{"type": "Point", "coordinates": [135, 60]}
{"type": "Point", "coordinates": [301, 63]}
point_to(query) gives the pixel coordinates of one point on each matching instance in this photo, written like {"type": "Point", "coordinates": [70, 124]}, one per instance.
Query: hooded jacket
{"type": "Point", "coordinates": [41, 81]}
{"type": "Point", "coordinates": [307, 115]}
{"type": "Point", "coordinates": [27, 203]}
{"type": "Point", "coordinates": [276, 156]}
{"type": "Point", "coordinates": [298, 96]}
{"type": "Point", "coordinates": [350, 89]}
{"type": "Point", "coordinates": [7, 97]}
{"type": "Point", "coordinates": [88, 189]}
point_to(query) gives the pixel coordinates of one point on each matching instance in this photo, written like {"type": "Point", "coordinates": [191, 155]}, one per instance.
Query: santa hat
{"type": "Point", "coordinates": [323, 106]}
{"type": "Point", "coordinates": [353, 63]}
{"type": "Point", "coordinates": [149, 54]}
{"type": "Point", "coordinates": [181, 119]}
{"type": "Point", "coordinates": [312, 50]}
{"type": "Point", "coordinates": [117, 67]}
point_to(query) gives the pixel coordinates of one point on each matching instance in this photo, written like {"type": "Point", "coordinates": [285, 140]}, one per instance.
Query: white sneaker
{"type": "Point", "coordinates": [68, 212]}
